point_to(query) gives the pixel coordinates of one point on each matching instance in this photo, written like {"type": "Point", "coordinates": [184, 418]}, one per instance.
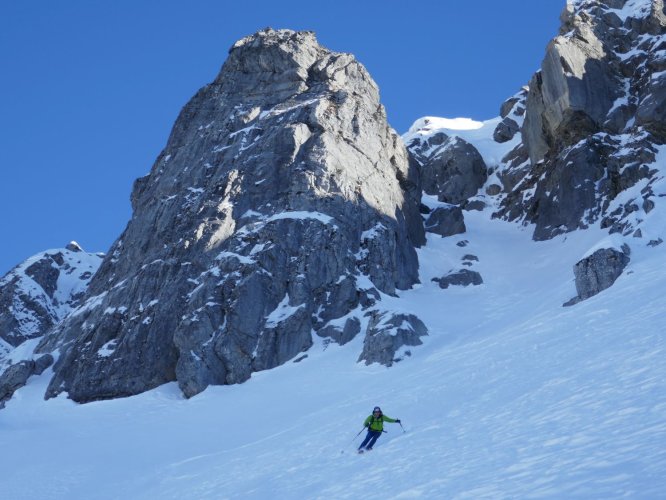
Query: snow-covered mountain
{"type": "Point", "coordinates": [41, 291]}
{"type": "Point", "coordinates": [279, 241]}
{"type": "Point", "coordinates": [34, 297]}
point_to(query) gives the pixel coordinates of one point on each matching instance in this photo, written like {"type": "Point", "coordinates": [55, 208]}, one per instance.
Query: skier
{"type": "Point", "coordinates": [375, 425]}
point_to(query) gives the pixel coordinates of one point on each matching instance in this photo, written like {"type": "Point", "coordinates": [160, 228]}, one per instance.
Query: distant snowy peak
{"type": "Point", "coordinates": [34, 297]}
{"type": "Point", "coordinates": [41, 291]}
{"type": "Point", "coordinates": [434, 123]}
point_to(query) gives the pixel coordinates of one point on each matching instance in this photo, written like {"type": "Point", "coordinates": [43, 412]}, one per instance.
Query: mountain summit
{"type": "Point", "coordinates": [282, 205]}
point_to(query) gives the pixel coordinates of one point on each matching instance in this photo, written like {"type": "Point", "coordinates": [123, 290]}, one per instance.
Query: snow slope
{"type": "Point", "coordinates": [511, 396]}
{"type": "Point", "coordinates": [479, 134]}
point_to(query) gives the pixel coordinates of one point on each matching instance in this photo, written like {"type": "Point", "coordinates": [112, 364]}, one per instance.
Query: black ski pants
{"type": "Point", "coordinates": [370, 439]}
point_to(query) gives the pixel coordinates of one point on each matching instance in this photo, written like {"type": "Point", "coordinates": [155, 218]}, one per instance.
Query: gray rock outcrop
{"type": "Point", "coordinates": [451, 168]}
{"type": "Point", "coordinates": [387, 336]}
{"type": "Point", "coordinates": [281, 203]}
{"type": "Point", "coordinates": [598, 272]}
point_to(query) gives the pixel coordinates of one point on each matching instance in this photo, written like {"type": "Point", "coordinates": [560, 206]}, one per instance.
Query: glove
{"type": "Point", "coordinates": [397, 421]}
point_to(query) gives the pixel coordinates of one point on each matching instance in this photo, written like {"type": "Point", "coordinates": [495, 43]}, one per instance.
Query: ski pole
{"type": "Point", "coordinates": [403, 429]}
{"type": "Point", "coordinates": [357, 435]}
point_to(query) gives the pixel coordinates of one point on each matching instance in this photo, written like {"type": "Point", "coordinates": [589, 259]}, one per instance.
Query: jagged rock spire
{"type": "Point", "coordinates": [282, 205]}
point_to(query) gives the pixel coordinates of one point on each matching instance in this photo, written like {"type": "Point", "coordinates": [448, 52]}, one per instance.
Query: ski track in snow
{"type": "Point", "coordinates": [511, 396]}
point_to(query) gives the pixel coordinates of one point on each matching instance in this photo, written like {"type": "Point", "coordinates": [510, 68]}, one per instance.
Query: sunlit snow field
{"type": "Point", "coordinates": [511, 396]}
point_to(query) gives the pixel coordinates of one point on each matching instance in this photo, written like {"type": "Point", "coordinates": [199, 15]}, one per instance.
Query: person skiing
{"type": "Point", "coordinates": [375, 425]}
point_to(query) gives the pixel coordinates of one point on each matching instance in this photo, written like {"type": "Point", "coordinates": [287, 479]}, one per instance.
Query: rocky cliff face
{"type": "Point", "coordinates": [595, 118]}
{"type": "Point", "coordinates": [588, 127]}
{"type": "Point", "coordinates": [282, 205]}
{"type": "Point", "coordinates": [581, 146]}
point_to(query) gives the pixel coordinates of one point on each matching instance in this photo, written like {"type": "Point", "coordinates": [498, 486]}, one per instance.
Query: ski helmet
{"type": "Point", "coordinates": [377, 408]}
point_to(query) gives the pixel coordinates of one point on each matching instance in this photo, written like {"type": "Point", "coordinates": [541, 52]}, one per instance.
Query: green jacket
{"type": "Point", "coordinates": [377, 424]}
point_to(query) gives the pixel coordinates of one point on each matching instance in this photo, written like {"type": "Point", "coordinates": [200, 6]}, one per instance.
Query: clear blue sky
{"type": "Point", "coordinates": [90, 89]}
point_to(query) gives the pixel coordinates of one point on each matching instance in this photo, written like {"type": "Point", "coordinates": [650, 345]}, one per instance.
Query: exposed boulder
{"type": "Point", "coordinates": [598, 272]}
{"type": "Point", "coordinates": [493, 189]}
{"type": "Point", "coordinates": [281, 191]}
{"type": "Point", "coordinates": [341, 332]}
{"type": "Point", "coordinates": [387, 335]}
{"type": "Point", "coordinates": [13, 378]}
{"type": "Point", "coordinates": [446, 221]}
{"type": "Point", "coordinates": [476, 204]}
{"type": "Point", "coordinates": [455, 172]}
{"type": "Point", "coordinates": [16, 375]}
{"type": "Point", "coordinates": [506, 130]}
{"type": "Point", "coordinates": [471, 258]}
{"type": "Point", "coordinates": [462, 277]}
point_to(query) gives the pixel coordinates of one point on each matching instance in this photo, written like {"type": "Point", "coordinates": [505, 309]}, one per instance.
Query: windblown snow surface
{"type": "Point", "coordinates": [511, 396]}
